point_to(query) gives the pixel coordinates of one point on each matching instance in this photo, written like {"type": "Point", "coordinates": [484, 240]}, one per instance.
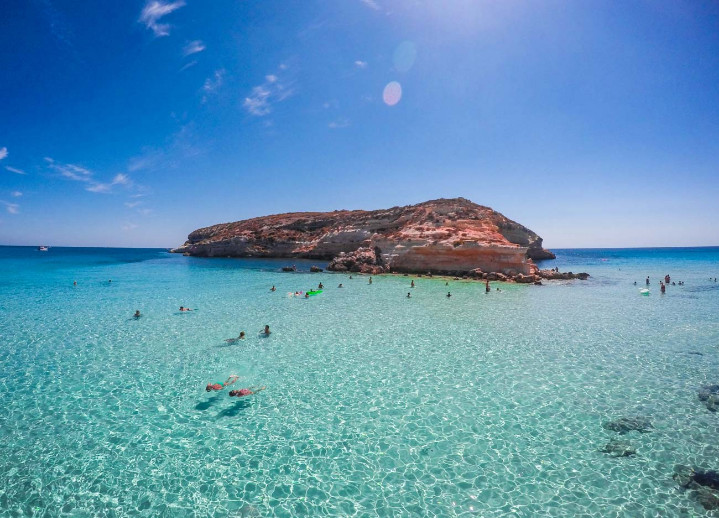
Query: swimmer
{"type": "Point", "coordinates": [266, 331]}
{"type": "Point", "coordinates": [498, 289]}
{"type": "Point", "coordinates": [370, 280]}
{"type": "Point", "coordinates": [663, 288]}
{"type": "Point", "coordinates": [219, 386]}
{"type": "Point", "coordinates": [350, 277]}
{"type": "Point", "coordinates": [340, 286]}
{"type": "Point", "coordinates": [273, 288]}
{"type": "Point", "coordinates": [411, 284]}
{"type": "Point", "coordinates": [320, 286]}
{"type": "Point", "coordinates": [246, 391]}
{"type": "Point", "coordinates": [137, 314]}
{"type": "Point", "coordinates": [233, 340]}
{"type": "Point", "coordinates": [635, 283]}
{"type": "Point", "coordinates": [183, 308]}
{"type": "Point", "coordinates": [307, 295]}
{"type": "Point", "coordinates": [409, 295]}
{"type": "Point", "coordinates": [449, 294]}
{"type": "Point", "coordinates": [74, 283]}
{"type": "Point", "coordinates": [487, 289]}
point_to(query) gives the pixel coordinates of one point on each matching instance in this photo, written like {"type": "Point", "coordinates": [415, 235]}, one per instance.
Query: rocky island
{"type": "Point", "coordinates": [445, 237]}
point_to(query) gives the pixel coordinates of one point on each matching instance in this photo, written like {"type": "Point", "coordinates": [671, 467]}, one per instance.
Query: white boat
{"type": "Point", "coordinates": [43, 248]}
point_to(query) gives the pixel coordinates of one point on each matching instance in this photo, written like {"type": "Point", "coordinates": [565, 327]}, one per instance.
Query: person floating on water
{"type": "Point", "coordinates": [411, 284]}
{"type": "Point", "coordinates": [273, 288]}
{"type": "Point", "coordinates": [219, 386]}
{"type": "Point", "coordinates": [409, 295]}
{"type": "Point", "coordinates": [183, 308]}
{"type": "Point", "coordinates": [246, 391]}
{"type": "Point", "coordinates": [449, 294]}
{"type": "Point", "coordinates": [137, 314]}
{"type": "Point", "coordinates": [233, 340]}
{"type": "Point", "coordinates": [266, 331]}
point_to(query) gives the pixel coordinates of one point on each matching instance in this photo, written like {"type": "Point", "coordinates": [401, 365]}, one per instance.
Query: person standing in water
{"type": "Point", "coordinates": [412, 284]}
{"type": "Point", "coordinates": [273, 288]}
{"type": "Point", "coordinates": [266, 331]}
{"type": "Point", "coordinates": [137, 314]}
{"type": "Point", "coordinates": [487, 289]}
{"type": "Point", "coordinates": [370, 280]}
{"type": "Point", "coordinates": [647, 280]}
{"type": "Point", "coordinates": [409, 295]}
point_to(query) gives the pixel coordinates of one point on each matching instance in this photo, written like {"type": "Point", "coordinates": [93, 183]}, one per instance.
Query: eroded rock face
{"type": "Point", "coordinates": [438, 236]}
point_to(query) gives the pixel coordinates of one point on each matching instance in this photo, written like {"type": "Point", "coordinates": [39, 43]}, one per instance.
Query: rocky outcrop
{"type": "Point", "coordinates": [445, 236]}
{"type": "Point", "coordinates": [554, 275]}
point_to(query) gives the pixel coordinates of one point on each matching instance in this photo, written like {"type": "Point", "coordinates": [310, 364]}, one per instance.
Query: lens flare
{"type": "Point", "coordinates": [392, 93]}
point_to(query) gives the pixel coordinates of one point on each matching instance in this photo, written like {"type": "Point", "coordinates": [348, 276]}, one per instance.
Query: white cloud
{"type": "Point", "coordinates": [80, 174]}
{"type": "Point", "coordinates": [16, 194]}
{"type": "Point", "coordinates": [190, 64]}
{"type": "Point", "coordinates": [273, 90]}
{"type": "Point", "coordinates": [14, 170]}
{"type": "Point", "coordinates": [360, 64]}
{"type": "Point", "coordinates": [128, 227]}
{"type": "Point", "coordinates": [132, 204]}
{"type": "Point", "coordinates": [338, 124]}
{"type": "Point", "coordinates": [3, 152]}
{"type": "Point", "coordinates": [371, 4]}
{"type": "Point", "coordinates": [212, 84]}
{"type": "Point", "coordinates": [144, 212]}
{"type": "Point", "coordinates": [12, 208]}
{"type": "Point", "coordinates": [193, 47]}
{"type": "Point", "coordinates": [154, 10]}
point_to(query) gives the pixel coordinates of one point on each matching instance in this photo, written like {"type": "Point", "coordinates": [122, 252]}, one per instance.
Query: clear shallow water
{"type": "Point", "coordinates": [376, 405]}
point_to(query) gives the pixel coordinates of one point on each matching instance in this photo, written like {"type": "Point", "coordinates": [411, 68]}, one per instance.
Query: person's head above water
{"type": "Point", "coordinates": [242, 334]}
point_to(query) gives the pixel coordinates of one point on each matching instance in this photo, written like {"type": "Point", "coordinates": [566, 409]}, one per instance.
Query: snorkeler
{"type": "Point", "coordinates": [219, 386]}
{"type": "Point", "coordinates": [233, 340]}
{"type": "Point", "coordinates": [183, 308]}
{"type": "Point", "coordinates": [246, 391]}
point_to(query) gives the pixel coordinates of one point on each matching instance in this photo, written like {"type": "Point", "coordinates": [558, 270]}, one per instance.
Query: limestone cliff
{"type": "Point", "coordinates": [438, 236]}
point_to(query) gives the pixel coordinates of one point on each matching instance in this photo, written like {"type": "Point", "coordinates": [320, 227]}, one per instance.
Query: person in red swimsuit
{"type": "Point", "coordinates": [219, 386]}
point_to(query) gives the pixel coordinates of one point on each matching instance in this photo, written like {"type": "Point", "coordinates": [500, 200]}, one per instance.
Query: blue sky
{"type": "Point", "coordinates": [594, 123]}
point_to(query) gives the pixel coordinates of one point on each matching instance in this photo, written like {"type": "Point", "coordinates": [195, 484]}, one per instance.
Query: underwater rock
{"type": "Point", "coordinates": [627, 424]}
{"type": "Point", "coordinates": [703, 483]}
{"type": "Point", "coordinates": [709, 394]}
{"type": "Point", "coordinates": [619, 449]}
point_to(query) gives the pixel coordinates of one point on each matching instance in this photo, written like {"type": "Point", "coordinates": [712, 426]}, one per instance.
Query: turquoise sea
{"type": "Point", "coordinates": [376, 405]}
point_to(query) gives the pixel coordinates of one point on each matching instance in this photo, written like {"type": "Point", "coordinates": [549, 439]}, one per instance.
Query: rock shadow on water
{"type": "Point", "coordinates": [628, 424]}
{"type": "Point", "coordinates": [704, 484]}
{"type": "Point", "coordinates": [235, 410]}
{"type": "Point", "coordinates": [709, 395]}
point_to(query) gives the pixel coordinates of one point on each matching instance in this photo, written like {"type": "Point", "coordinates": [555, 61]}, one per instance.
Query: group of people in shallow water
{"type": "Point", "coordinates": [665, 282]}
